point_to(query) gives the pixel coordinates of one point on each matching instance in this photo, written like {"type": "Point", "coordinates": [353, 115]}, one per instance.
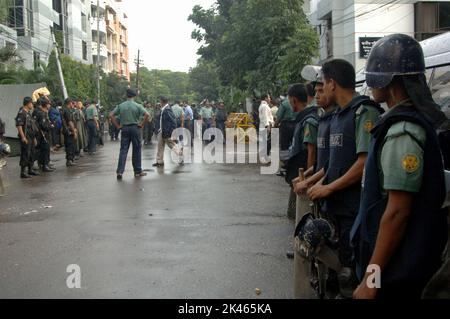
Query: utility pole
{"type": "Point", "coordinates": [98, 52]}
{"type": "Point", "coordinates": [138, 63]}
{"type": "Point", "coordinates": [58, 64]}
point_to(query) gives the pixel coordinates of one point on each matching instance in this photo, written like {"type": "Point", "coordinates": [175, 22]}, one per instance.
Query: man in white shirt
{"type": "Point", "coordinates": [266, 122]}
{"type": "Point", "coordinates": [265, 114]}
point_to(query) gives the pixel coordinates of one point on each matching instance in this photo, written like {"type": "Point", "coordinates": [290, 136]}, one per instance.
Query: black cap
{"type": "Point", "coordinates": [67, 101]}
{"type": "Point", "coordinates": [131, 93]}
{"type": "Point", "coordinates": [27, 100]}
{"type": "Point", "coordinates": [43, 101]}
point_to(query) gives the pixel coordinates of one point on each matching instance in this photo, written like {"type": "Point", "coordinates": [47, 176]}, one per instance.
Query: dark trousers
{"type": "Point", "coordinates": [26, 153]}
{"type": "Point", "coordinates": [287, 129]}
{"type": "Point", "coordinates": [92, 136]}
{"type": "Point", "coordinates": [43, 152]}
{"type": "Point", "coordinates": [56, 137]}
{"type": "Point", "coordinates": [100, 134]}
{"type": "Point", "coordinates": [130, 135]}
{"type": "Point", "coordinates": [343, 226]}
{"type": "Point", "coordinates": [148, 132]}
{"type": "Point", "coordinates": [69, 145]}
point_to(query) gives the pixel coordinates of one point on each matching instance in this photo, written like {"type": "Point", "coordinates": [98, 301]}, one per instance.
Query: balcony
{"type": "Point", "coordinates": [102, 28]}
{"type": "Point", "coordinates": [110, 27]}
{"type": "Point", "coordinates": [103, 50]}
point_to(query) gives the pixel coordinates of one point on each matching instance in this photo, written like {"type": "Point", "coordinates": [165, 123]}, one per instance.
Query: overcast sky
{"type": "Point", "coordinates": [159, 28]}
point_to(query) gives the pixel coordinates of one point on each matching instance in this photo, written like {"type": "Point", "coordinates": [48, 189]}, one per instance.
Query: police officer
{"type": "Point", "coordinates": [401, 228]}
{"type": "Point", "coordinates": [323, 138]}
{"type": "Point", "coordinates": [40, 115]}
{"type": "Point", "coordinates": [27, 135]}
{"type": "Point", "coordinates": [179, 114]}
{"type": "Point", "coordinates": [133, 116]}
{"type": "Point", "coordinates": [93, 126]}
{"type": "Point", "coordinates": [70, 132]}
{"type": "Point", "coordinates": [101, 127]}
{"type": "Point", "coordinates": [349, 143]}
{"type": "Point", "coordinates": [221, 118]}
{"type": "Point", "coordinates": [302, 153]}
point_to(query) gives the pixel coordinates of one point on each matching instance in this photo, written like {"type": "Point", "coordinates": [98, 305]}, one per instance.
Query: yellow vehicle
{"type": "Point", "coordinates": [245, 127]}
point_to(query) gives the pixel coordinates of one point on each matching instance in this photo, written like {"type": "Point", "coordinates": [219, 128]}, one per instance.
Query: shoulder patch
{"type": "Point", "coordinates": [368, 126]}
{"type": "Point", "coordinates": [410, 163]}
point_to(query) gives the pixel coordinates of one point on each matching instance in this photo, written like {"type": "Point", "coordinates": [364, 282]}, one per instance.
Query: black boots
{"type": "Point", "coordinates": [23, 173]}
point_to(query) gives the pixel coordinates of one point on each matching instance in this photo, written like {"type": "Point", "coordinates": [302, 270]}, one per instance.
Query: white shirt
{"type": "Point", "coordinates": [265, 115]}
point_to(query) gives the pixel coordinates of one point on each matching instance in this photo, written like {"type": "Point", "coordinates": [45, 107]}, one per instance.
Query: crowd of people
{"type": "Point", "coordinates": [142, 122]}
{"type": "Point", "coordinates": [375, 174]}
{"type": "Point", "coordinates": [44, 127]}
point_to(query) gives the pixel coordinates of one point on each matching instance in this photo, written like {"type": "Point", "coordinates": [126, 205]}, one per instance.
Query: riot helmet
{"type": "Point", "coordinates": [396, 54]}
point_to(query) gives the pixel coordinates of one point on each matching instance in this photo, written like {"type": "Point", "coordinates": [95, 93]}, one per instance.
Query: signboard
{"type": "Point", "coordinates": [365, 45]}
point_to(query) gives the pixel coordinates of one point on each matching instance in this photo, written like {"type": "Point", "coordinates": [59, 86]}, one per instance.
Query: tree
{"type": "Point", "coordinates": [255, 44]}
{"type": "Point", "coordinates": [157, 83]}
{"type": "Point", "coordinates": [204, 80]}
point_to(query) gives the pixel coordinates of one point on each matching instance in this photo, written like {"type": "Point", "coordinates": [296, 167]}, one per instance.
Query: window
{"type": "Point", "coordinates": [444, 16]}
{"type": "Point", "coordinates": [83, 22]}
{"type": "Point", "coordinates": [431, 18]}
{"type": "Point", "coordinates": [84, 47]}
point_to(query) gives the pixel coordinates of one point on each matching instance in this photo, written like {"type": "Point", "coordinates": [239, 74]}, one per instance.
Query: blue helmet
{"type": "Point", "coordinates": [314, 232]}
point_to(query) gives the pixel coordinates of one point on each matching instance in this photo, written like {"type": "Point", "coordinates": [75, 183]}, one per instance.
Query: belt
{"type": "Point", "coordinates": [131, 125]}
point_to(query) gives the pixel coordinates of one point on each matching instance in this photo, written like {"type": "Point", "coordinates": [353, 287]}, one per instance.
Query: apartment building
{"type": "Point", "coordinates": [113, 36]}
{"type": "Point", "coordinates": [349, 28]}
{"type": "Point", "coordinates": [32, 21]}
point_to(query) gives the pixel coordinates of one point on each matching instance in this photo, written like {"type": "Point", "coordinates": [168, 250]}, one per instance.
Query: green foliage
{"type": "Point", "coordinates": [204, 81]}
{"type": "Point", "coordinates": [255, 44]}
{"type": "Point", "coordinates": [156, 83]}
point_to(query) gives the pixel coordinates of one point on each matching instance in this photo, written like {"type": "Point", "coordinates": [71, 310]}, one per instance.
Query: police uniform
{"type": "Point", "coordinates": [27, 151]}
{"type": "Point", "coordinates": [43, 138]}
{"type": "Point", "coordinates": [177, 111]}
{"type": "Point", "coordinates": [130, 114]}
{"type": "Point", "coordinates": [404, 156]}
{"type": "Point", "coordinates": [305, 133]}
{"type": "Point", "coordinates": [349, 136]}
{"type": "Point", "coordinates": [69, 140]}
{"type": "Point", "coordinates": [323, 139]}
{"type": "Point", "coordinates": [221, 118]}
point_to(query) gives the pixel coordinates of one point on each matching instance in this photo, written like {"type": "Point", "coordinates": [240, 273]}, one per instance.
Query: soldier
{"type": "Point", "coordinates": [70, 132]}
{"type": "Point", "coordinates": [93, 126]}
{"type": "Point", "coordinates": [302, 153]}
{"type": "Point", "coordinates": [101, 127]}
{"type": "Point", "coordinates": [27, 135]}
{"type": "Point", "coordinates": [148, 131]}
{"type": "Point", "coordinates": [349, 143]}
{"type": "Point", "coordinates": [179, 114]}
{"type": "Point", "coordinates": [401, 227]}
{"type": "Point", "coordinates": [133, 116]}
{"type": "Point", "coordinates": [221, 118]}
{"type": "Point", "coordinates": [323, 139]}
{"type": "Point", "coordinates": [40, 115]}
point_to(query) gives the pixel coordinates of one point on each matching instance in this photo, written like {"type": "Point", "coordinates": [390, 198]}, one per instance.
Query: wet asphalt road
{"type": "Point", "coordinates": [197, 231]}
